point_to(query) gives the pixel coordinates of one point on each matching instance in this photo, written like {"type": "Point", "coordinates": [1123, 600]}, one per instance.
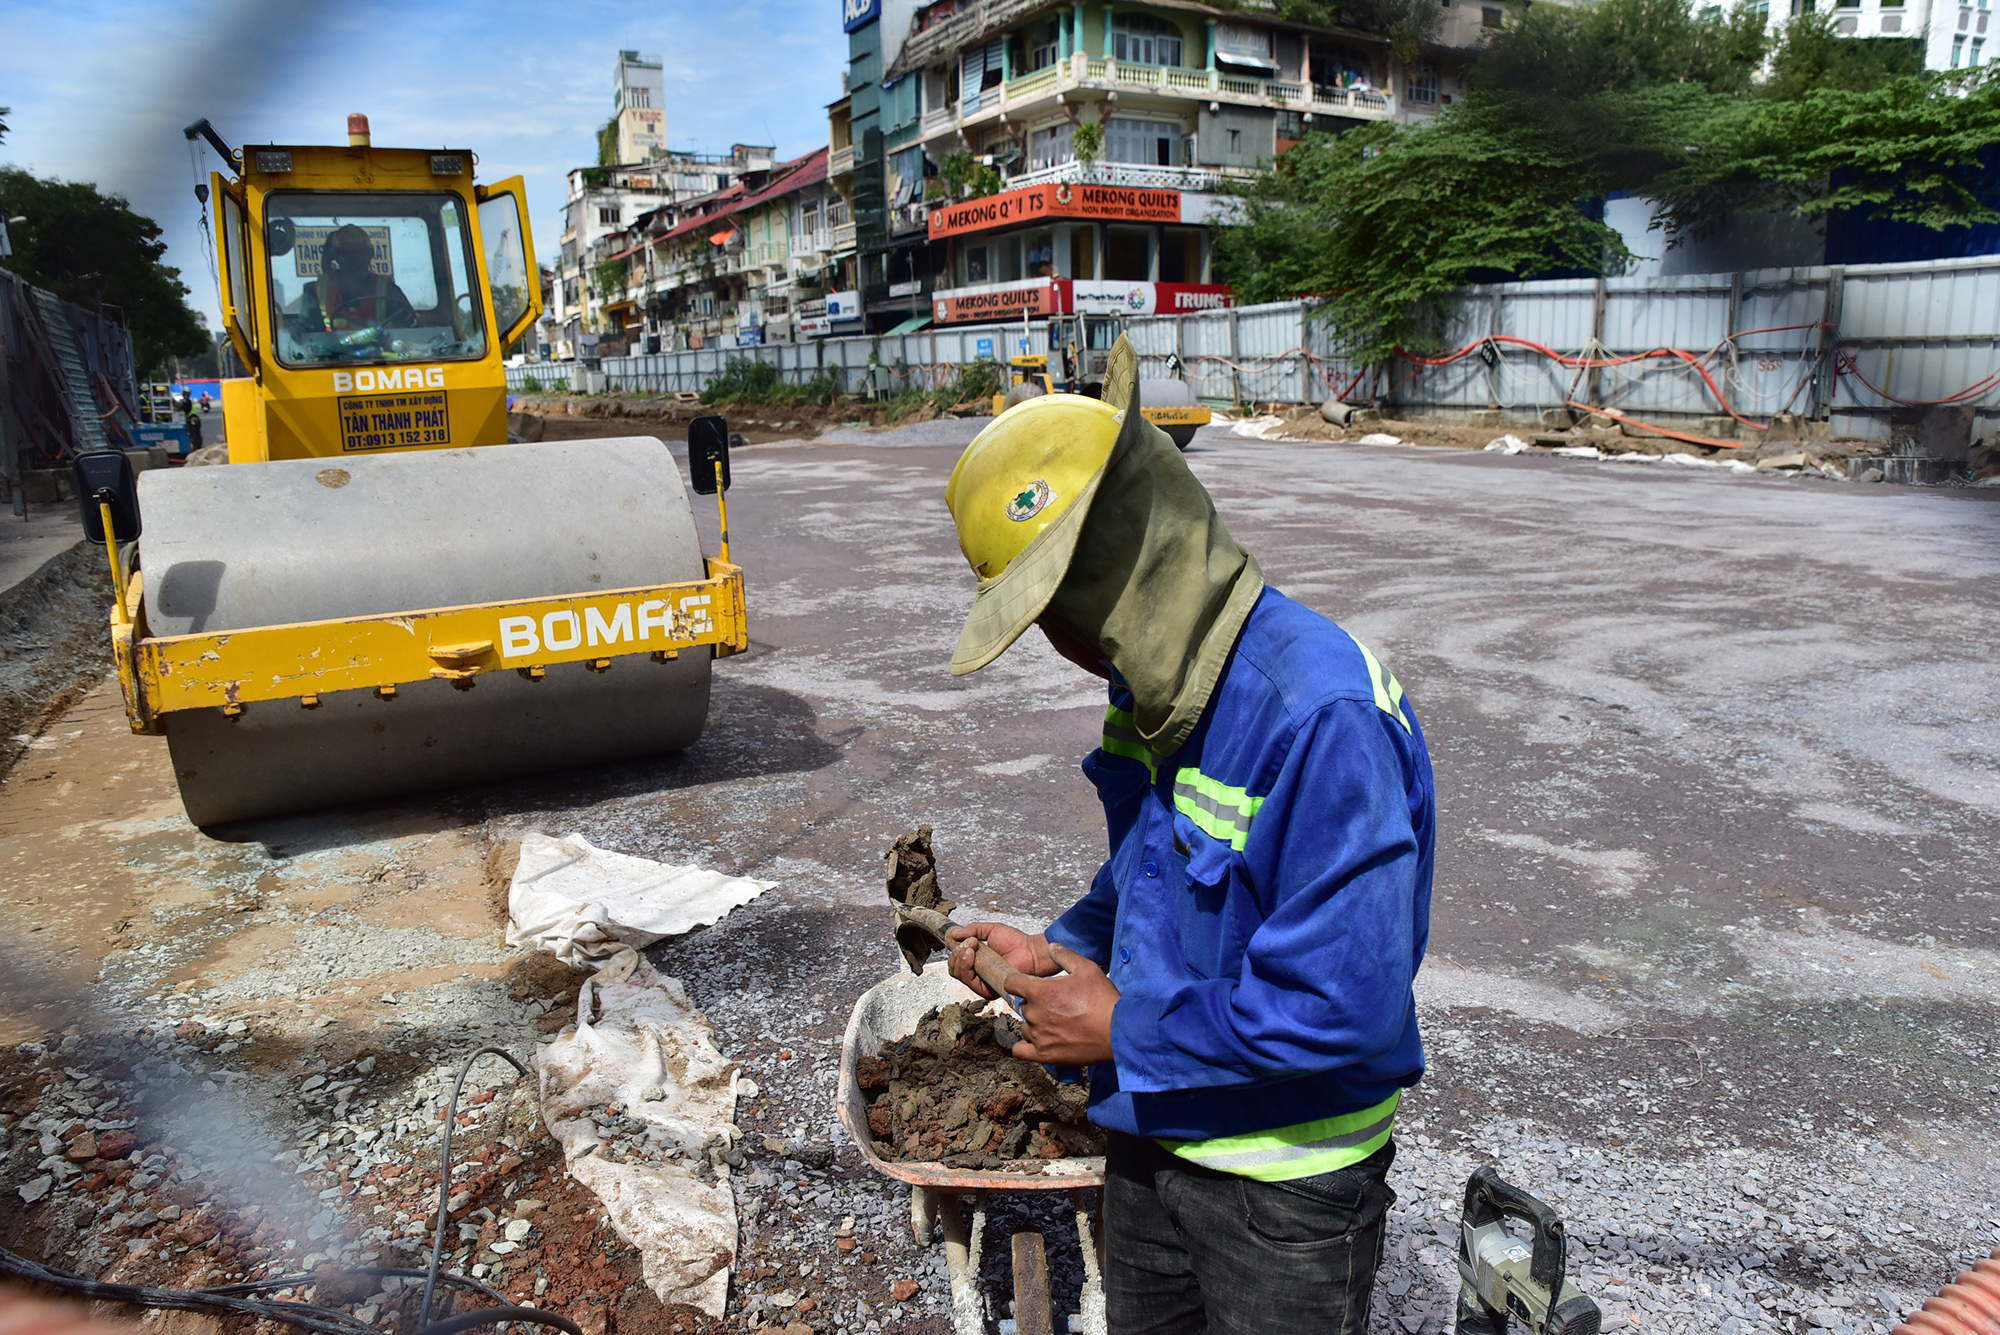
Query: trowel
{"type": "Point", "coordinates": [923, 914]}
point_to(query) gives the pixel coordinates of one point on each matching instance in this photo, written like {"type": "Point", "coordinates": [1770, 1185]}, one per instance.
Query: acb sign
{"type": "Point", "coordinates": [859, 13]}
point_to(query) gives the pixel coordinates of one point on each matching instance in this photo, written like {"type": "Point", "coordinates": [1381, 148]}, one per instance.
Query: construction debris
{"type": "Point", "coordinates": [952, 1093]}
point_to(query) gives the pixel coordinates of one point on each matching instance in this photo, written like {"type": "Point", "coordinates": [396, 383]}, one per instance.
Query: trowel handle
{"type": "Point", "coordinates": [993, 969]}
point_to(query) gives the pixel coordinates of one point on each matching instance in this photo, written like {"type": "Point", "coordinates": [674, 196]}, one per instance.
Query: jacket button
{"type": "Point", "coordinates": [1151, 869]}
{"type": "Point", "coordinates": [1124, 954]}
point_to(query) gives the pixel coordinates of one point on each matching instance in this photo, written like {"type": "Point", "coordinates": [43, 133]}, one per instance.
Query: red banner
{"type": "Point", "coordinates": [1014, 208]}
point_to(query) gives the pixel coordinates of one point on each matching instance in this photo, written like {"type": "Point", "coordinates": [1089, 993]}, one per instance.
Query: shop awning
{"type": "Point", "coordinates": [911, 325]}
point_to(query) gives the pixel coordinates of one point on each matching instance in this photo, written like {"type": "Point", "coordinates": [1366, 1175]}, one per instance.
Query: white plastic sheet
{"type": "Point", "coordinates": [639, 1047]}
{"type": "Point", "coordinates": [598, 909]}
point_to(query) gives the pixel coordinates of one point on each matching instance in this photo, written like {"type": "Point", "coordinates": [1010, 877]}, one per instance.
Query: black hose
{"type": "Point", "coordinates": [444, 1175]}
{"type": "Point", "coordinates": [487, 1316]}
{"type": "Point", "coordinates": [233, 1299]}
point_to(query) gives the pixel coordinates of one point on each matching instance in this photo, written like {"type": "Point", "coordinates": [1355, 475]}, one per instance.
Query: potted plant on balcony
{"type": "Point", "coordinates": [1087, 141]}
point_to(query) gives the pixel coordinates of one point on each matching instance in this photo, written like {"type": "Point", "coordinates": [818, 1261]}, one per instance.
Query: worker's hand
{"type": "Point", "coordinates": [1023, 953]}
{"type": "Point", "coordinates": [1066, 1021]}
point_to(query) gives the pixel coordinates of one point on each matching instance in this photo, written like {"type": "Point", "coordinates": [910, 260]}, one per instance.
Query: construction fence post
{"type": "Point", "coordinates": [1829, 345]}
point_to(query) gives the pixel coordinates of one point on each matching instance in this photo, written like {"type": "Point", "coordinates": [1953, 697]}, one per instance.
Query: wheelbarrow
{"type": "Point", "coordinates": [890, 1010]}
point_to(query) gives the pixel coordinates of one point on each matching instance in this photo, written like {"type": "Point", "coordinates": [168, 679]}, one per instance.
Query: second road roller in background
{"type": "Point", "coordinates": [378, 595]}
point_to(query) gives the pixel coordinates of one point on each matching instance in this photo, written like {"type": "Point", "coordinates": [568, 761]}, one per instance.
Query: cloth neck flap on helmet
{"type": "Point", "coordinates": [1156, 582]}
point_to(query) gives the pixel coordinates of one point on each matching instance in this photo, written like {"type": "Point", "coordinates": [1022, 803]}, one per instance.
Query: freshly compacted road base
{"type": "Point", "coordinates": [1713, 954]}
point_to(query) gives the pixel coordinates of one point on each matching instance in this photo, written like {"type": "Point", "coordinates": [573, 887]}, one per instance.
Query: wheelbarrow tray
{"type": "Point", "coordinates": [893, 1009]}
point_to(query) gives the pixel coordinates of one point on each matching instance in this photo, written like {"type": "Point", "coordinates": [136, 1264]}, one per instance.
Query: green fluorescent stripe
{"type": "Point", "coordinates": [1124, 734]}
{"type": "Point", "coordinates": [1296, 1151]}
{"type": "Point", "coordinates": [1388, 691]}
{"type": "Point", "coordinates": [1217, 809]}
{"type": "Point", "coordinates": [1113, 714]}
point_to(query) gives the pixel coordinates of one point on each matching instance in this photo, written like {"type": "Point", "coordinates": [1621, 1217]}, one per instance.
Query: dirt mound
{"type": "Point", "coordinates": [55, 642]}
{"type": "Point", "coordinates": [951, 1093]}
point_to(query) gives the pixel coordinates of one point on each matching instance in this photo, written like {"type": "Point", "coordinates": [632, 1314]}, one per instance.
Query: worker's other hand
{"type": "Point", "coordinates": [1023, 953]}
{"type": "Point", "coordinates": [1066, 1020]}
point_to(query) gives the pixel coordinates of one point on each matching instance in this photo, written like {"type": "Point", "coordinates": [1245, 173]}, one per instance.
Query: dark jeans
{"type": "Point", "coordinates": [1189, 1250]}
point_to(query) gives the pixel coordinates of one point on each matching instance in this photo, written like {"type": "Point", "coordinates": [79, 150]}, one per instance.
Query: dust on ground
{"type": "Point", "coordinates": [55, 642]}
{"type": "Point", "coordinates": [952, 1092]}
{"type": "Point", "coordinates": [581, 417]}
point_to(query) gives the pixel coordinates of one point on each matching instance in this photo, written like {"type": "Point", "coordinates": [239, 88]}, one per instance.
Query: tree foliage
{"type": "Point", "coordinates": [90, 248]}
{"type": "Point", "coordinates": [1569, 105]}
{"type": "Point", "coordinates": [607, 143]}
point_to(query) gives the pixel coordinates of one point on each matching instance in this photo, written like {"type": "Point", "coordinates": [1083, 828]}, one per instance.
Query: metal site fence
{"type": "Point", "coordinates": [1864, 348]}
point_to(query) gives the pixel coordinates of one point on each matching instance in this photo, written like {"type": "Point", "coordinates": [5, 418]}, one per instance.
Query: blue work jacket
{"type": "Point", "coordinates": [1267, 899]}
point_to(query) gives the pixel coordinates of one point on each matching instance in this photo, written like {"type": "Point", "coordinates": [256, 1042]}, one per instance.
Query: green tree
{"type": "Point", "coordinates": [1568, 105]}
{"type": "Point", "coordinates": [607, 143]}
{"type": "Point", "coordinates": [90, 248]}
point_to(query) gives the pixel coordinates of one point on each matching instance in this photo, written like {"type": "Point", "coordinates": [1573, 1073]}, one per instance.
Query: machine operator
{"type": "Point", "coordinates": [348, 295]}
{"type": "Point", "coordinates": [1238, 977]}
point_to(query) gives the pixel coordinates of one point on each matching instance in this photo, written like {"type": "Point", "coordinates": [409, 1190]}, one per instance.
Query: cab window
{"type": "Point", "coordinates": [363, 279]}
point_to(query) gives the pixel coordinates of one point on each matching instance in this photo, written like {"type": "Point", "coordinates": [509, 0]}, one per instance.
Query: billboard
{"type": "Point", "coordinates": [859, 13]}
{"type": "Point", "coordinates": [1011, 208]}
{"type": "Point", "coordinates": [1065, 296]}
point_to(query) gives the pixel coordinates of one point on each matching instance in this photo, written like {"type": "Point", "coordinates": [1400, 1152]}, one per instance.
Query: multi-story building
{"type": "Point", "coordinates": [1179, 98]}
{"type": "Point", "coordinates": [641, 108]}
{"type": "Point", "coordinates": [1954, 32]}
{"type": "Point", "coordinates": [738, 267]}
{"type": "Point", "coordinates": [591, 298]}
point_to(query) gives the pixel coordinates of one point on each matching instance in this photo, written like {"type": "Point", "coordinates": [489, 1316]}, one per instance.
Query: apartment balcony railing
{"type": "Point", "coordinates": [1197, 179]}
{"type": "Point", "coordinates": [807, 244]}
{"type": "Point", "coordinates": [767, 254]}
{"type": "Point", "coordinates": [841, 162]}
{"type": "Point", "coordinates": [843, 237]}
{"type": "Point", "coordinates": [912, 217]}
{"type": "Point", "coordinates": [1081, 71]}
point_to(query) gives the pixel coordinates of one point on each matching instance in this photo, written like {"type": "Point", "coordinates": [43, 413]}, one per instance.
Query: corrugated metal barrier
{"type": "Point", "coordinates": [1852, 345]}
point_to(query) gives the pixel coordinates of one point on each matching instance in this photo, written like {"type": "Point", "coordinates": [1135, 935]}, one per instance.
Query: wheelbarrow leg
{"type": "Point", "coordinates": [923, 1214]}
{"type": "Point", "coordinates": [961, 1254]}
{"type": "Point", "coordinates": [1092, 1319]}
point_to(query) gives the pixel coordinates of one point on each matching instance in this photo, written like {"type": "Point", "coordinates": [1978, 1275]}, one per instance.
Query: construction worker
{"type": "Point", "coordinates": [194, 428]}
{"type": "Point", "coordinates": [1238, 977]}
{"type": "Point", "coordinates": [348, 294]}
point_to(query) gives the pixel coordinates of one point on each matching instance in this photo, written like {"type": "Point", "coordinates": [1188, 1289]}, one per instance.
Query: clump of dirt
{"type": "Point", "coordinates": [953, 1093]}
{"type": "Point", "coordinates": [55, 643]}
{"type": "Point", "coordinates": [913, 873]}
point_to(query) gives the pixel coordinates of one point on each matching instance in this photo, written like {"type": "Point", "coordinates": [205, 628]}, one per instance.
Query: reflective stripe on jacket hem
{"type": "Point", "coordinates": [1303, 1150]}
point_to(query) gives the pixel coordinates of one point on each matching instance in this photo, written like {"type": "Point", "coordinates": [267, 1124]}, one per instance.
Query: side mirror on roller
{"type": "Point", "coordinates": [708, 451]}
{"type": "Point", "coordinates": [105, 477]}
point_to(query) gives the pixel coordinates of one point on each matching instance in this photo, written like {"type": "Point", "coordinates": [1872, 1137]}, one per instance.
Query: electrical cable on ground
{"type": "Point", "coordinates": [235, 1298]}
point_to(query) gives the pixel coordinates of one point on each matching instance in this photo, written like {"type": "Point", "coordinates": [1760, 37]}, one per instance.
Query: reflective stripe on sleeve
{"type": "Point", "coordinates": [1388, 691]}
{"type": "Point", "coordinates": [1304, 1150]}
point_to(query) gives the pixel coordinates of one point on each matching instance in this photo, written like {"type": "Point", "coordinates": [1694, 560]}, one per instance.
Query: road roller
{"type": "Point", "coordinates": [378, 594]}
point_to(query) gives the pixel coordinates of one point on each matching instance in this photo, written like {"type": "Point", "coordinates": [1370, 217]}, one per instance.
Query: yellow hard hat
{"type": "Point", "coordinates": [1019, 495]}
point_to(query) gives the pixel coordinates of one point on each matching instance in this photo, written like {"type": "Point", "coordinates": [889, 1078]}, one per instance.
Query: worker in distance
{"type": "Point", "coordinates": [1238, 977]}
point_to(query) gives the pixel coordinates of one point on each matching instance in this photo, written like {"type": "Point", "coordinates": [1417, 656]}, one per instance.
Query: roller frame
{"type": "Point", "coordinates": [162, 675]}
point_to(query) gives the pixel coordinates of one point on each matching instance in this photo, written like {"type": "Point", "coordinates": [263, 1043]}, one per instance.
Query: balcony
{"type": "Point", "coordinates": [805, 245]}
{"type": "Point", "coordinates": [843, 237]}
{"type": "Point", "coordinates": [1201, 180]}
{"type": "Point", "coordinates": [841, 162]}
{"type": "Point", "coordinates": [911, 217]}
{"type": "Point", "coordinates": [1014, 97]}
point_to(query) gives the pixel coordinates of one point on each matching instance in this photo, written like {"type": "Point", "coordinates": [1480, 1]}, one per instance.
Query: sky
{"type": "Point", "coordinates": [101, 89]}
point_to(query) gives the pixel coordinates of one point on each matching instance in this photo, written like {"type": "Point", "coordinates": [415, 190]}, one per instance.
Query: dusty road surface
{"type": "Point", "coordinates": [1713, 962]}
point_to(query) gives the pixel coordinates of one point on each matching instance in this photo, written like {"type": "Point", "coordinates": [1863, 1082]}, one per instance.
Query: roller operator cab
{"type": "Point", "coordinates": [372, 292]}
{"type": "Point", "coordinates": [378, 594]}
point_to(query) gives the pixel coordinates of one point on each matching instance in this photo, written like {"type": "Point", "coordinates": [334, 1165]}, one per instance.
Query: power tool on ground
{"type": "Point", "coordinates": [1502, 1276]}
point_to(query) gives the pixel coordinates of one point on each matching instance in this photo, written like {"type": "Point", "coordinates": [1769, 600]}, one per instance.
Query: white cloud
{"type": "Point", "coordinates": [101, 93]}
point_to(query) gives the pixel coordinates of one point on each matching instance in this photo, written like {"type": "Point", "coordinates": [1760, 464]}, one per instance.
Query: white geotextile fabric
{"type": "Point", "coordinates": [640, 1047]}
{"type": "Point", "coordinates": [597, 909]}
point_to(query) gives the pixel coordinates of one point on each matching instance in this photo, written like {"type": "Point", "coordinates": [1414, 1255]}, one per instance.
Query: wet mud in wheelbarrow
{"type": "Point", "coordinates": [895, 1009]}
